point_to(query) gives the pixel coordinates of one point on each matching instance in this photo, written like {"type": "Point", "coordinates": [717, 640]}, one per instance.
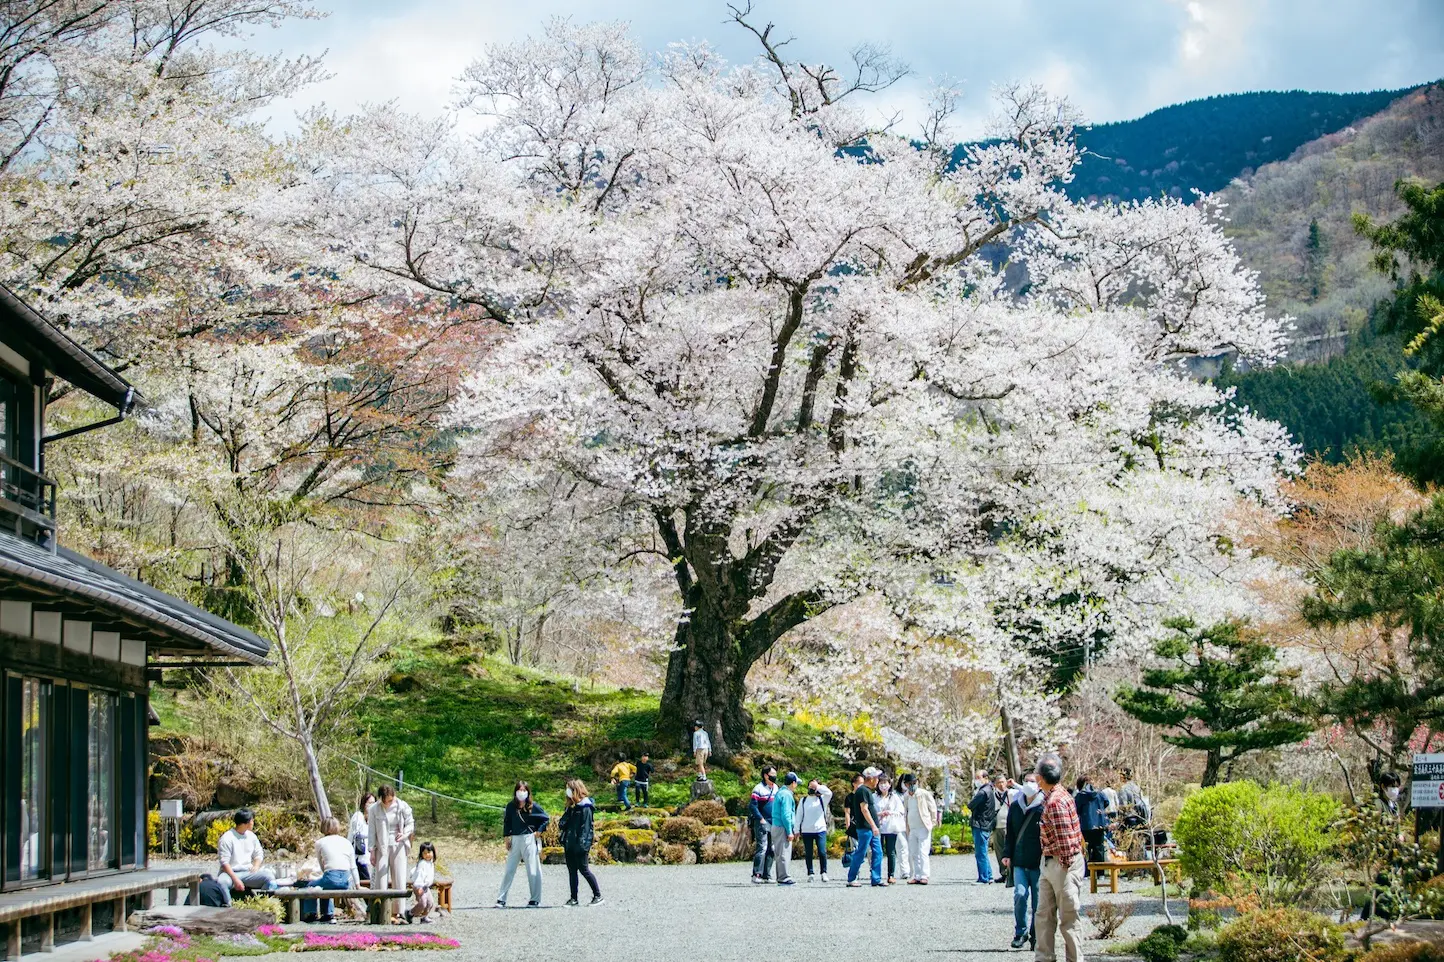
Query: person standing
{"type": "Point", "coordinates": [759, 820]}
{"type": "Point", "coordinates": [922, 816]}
{"type": "Point", "coordinates": [1023, 858]}
{"type": "Point", "coordinates": [892, 822]}
{"type": "Point", "coordinates": [358, 832]}
{"type": "Point", "coordinates": [423, 877]}
{"type": "Point", "coordinates": [390, 827]}
{"type": "Point", "coordinates": [863, 816]}
{"type": "Point", "coordinates": [813, 816]}
{"type": "Point", "coordinates": [242, 858]}
{"type": "Point", "coordinates": [1131, 802]}
{"type": "Point", "coordinates": [522, 823]}
{"type": "Point", "coordinates": [622, 774]}
{"type": "Point", "coordinates": [642, 781]}
{"type": "Point", "coordinates": [982, 814]}
{"type": "Point", "coordinates": [1060, 882]}
{"type": "Point", "coordinates": [784, 828]}
{"type": "Point", "coordinates": [701, 747]}
{"type": "Point", "coordinates": [576, 827]}
{"type": "Point", "coordinates": [1000, 824]}
{"type": "Point", "coordinates": [1092, 819]}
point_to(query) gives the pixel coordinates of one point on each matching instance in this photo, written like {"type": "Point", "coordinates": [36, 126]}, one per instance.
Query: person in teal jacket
{"type": "Point", "coordinates": [784, 827]}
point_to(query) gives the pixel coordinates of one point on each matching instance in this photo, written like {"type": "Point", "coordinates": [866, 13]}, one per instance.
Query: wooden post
{"type": "Point", "coordinates": [173, 895]}
{"type": "Point", "coordinates": [433, 809]}
{"type": "Point", "coordinates": [120, 921]}
{"type": "Point", "coordinates": [195, 892]}
{"type": "Point", "coordinates": [12, 942]}
{"type": "Point", "coordinates": [147, 900]}
{"type": "Point", "coordinates": [293, 911]}
{"type": "Point", "coordinates": [86, 933]}
{"type": "Point", "coordinates": [47, 934]}
{"type": "Point", "coordinates": [400, 780]}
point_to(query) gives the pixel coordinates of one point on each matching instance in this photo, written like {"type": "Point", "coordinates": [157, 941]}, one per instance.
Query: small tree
{"type": "Point", "coordinates": [1221, 692]}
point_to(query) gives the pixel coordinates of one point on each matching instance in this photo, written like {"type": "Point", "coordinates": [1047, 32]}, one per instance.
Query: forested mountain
{"type": "Point", "coordinates": [1205, 144]}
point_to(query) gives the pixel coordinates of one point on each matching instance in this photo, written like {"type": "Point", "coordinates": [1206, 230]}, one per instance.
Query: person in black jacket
{"type": "Point", "coordinates": [983, 811]}
{"type": "Point", "coordinates": [522, 823]}
{"type": "Point", "coordinates": [1092, 818]}
{"type": "Point", "coordinates": [1023, 856]}
{"type": "Point", "coordinates": [576, 826]}
{"type": "Point", "coordinates": [642, 781]}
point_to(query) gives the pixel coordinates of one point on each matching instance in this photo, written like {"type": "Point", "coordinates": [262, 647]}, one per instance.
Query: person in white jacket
{"type": "Point", "coordinates": [391, 827]}
{"type": "Point", "coordinates": [812, 821]}
{"type": "Point", "coordinates": [892, 823]}
{"type": "Point", "coordinates": [423, 876]}
{"type": "Point", "coordinates": [922, 818]}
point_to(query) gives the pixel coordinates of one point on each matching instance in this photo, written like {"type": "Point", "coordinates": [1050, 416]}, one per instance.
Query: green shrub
{"type": "Point", "coordinates": [1200, 920]}
{"type": "Point", "coordinates": [152, 830]}
{"type": "Point", "coordinates": [1272, 841]}
{"type": "Point", "coordinates": [1158, 947]}
{"type": "Point", "coordinates": [1282, 935]}
{"type": "Point", "coordinates": [682, 830]}
{"type": "Point", "coordinates": [262, 903]}
{"type": "Point", "coordinates": [1175, 932]}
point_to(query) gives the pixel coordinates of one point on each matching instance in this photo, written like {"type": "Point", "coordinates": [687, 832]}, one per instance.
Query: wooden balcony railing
{"type": "Point", "coordinates": [27, 497]}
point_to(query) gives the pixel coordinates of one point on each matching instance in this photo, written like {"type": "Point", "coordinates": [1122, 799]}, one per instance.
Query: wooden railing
{"type": "Point", "coordinates": [28, 497]}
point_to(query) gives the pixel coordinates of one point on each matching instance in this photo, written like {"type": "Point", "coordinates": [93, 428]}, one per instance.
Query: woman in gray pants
{"type": "Point", "coordinates": [522, 823]}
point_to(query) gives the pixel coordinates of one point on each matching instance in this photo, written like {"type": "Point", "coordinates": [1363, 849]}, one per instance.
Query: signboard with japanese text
{"type": "Point", "coordinates": [1427, 782]}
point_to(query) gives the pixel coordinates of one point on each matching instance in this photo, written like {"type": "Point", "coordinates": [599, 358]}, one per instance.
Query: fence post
{"type": "Point", "coordinates": [400, 780]}
{"type": "Point", "coordinates": [433, 809]}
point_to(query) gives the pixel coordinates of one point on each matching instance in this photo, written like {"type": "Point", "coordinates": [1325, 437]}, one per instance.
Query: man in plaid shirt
{"type": "Point", "coordinates": [1060, 885]}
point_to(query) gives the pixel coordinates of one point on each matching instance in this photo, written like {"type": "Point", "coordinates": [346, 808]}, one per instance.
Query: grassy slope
{"type": "Point", "coordinates": [470, 728]}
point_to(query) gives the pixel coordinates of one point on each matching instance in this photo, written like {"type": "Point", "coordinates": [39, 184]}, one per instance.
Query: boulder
{"type": "Point", "coordinates": [703, 788]}
{"type": "Point", "coordinates": [640, 821]}
{"type": "Point", "coordinates": [628, 844]}
{"type": "Point", "coordinates": [203, 920]}
{"type": "Point", "coordinates": [729, 838]}
{"type": "Point", "coordinates": [233, 792]}
{"type": "Point", "coordinates": [553, 855]}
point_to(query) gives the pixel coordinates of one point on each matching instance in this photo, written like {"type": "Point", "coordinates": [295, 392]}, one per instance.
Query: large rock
{"type": "Point", "coordinates": [203, 920]}
{"type": "Point", "coordinates": [234, 792]}
{"type": "Point", "coordinates": [629, 844]}
{"type": "Point", "coordinates": [640, 821]}
{"type": "Point", "coordinates": [731, 838]}
{"type": "Point", "coordinates": [703, 788]}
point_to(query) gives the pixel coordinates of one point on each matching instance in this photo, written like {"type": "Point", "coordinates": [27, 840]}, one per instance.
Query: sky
{"type": "Point", "coordinates": [1115, 59]}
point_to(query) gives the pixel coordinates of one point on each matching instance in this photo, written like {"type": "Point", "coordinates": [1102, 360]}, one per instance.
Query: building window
{"type": "Point", "coordinates": [34, 707]}
{"type": "Point", "coordinates": [100, 821]}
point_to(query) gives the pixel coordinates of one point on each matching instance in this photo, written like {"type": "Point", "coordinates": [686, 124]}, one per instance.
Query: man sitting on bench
{"type": "Point", "coordinates": [241, 857]}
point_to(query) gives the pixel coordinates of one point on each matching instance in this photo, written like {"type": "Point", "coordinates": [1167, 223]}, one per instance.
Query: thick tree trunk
{"type": "Point", "coordinates": [1212, 768]}
{"type": "Point", "coordinates": [707, 682]}
{"type": "Point", "coordinates": [313, 774]}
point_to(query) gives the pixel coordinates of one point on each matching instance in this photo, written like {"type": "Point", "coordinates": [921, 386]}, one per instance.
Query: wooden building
{"type": "Point", "coordinates": [78, 643]}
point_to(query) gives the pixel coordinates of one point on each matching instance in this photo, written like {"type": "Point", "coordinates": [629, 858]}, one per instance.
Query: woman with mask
{"type": "Point", "coordinates": [522, 823]}
{"type": "Point", "coordinates": [576, 826]}
{"type": "Point", "coordinates": [892, 816]}
{"type": "Point", "coordinates": [358, 832]}
{"type": "Point", "coordinates": [1023, 857]}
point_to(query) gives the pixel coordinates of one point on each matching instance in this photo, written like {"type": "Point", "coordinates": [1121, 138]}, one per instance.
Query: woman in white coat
{"type": "Point", "coordinates": [392, 827]}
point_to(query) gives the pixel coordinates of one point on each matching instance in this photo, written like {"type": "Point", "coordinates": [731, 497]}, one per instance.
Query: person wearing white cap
{"type": "Point", "coordinates": [862, 811]}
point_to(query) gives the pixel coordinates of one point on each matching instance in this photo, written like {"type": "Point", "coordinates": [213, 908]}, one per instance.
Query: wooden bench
{"type": "Point", "coordinates": [46, 900]}
{"type": "Point", "coordinates": [442, 888]}
{"type": "Point", "coordinates": [1113, 868]}
{"type": "Point", "coordinates": [374, 898]}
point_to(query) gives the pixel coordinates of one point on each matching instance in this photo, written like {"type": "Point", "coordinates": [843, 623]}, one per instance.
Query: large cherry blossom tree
{"type": "Point", "coordinates": [799, 359]}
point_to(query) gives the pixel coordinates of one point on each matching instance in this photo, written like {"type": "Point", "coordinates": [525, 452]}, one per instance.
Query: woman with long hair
{"type": "Point", "coordinates": [391, 830]}
{"type": "Point", "coordinates": [359, 831]}
{"type": "Point", "coordinates": [522, 824]}
{"type": "Point", "coordinates": [576, 826]}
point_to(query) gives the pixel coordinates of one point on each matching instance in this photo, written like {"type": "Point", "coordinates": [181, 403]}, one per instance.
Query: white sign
{"type": "Point", "coordinates": [1427, 782]}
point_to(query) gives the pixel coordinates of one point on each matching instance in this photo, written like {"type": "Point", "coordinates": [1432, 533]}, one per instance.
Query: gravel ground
{"type": "Point", "coordinates": [712, 913]}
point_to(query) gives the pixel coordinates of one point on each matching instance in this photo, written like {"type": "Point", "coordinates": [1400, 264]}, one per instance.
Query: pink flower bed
{"type": "Point", "coordinates": [370, 941]}
{"type": "Point", "coordinates": [271, 930]}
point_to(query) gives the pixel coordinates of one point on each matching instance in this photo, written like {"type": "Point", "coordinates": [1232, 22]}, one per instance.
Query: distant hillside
{"type": "Point", "coordinates": [1205, 144]}
{"type": "Point", "coordinates": [1290, 220]}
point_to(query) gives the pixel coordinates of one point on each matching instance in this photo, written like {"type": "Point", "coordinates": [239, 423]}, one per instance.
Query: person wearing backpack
{"type": "Point", "coordinates": [814, 821]}
{"type": "Point", "coordinates": [576, 828]}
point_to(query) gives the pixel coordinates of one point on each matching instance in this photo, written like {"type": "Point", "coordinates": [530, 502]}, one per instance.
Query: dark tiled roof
{"type": "Point", "coordinates": [61, 354]}
{"type": "Point", "coordinates": [81, 581]}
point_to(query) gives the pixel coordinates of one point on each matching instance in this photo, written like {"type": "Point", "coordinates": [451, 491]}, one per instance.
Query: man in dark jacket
{"type": "Point", "coordinates": [1092, 819]}
{"type": "Point", "coordinates": [1023, 857]}
{"type": "Point", "coordinates": [983, 812]}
